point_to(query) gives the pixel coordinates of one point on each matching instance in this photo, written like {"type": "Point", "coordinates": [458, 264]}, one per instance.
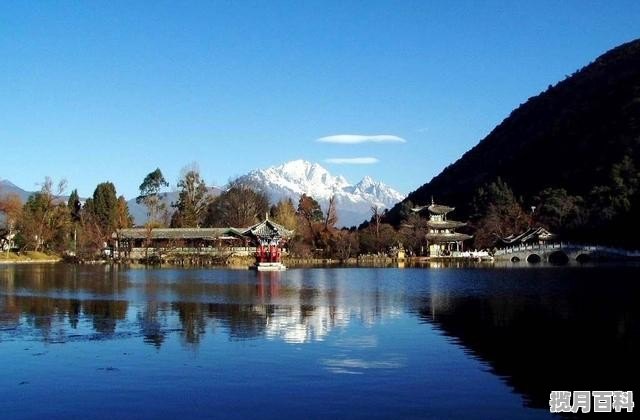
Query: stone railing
{"type": "Point", "coordinates": [568, 246]}
{"type": "Point", "coordinates": [241, 251]}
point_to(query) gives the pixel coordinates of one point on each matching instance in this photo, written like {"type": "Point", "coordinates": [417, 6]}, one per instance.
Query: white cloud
{"type": "Point", "coordinates": [353, 161]}
{"type": "Point", "coordinates": [358, 138]}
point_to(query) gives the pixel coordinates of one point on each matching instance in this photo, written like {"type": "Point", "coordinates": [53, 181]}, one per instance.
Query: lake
{"type": "Point", "coordinates": [115, 342]}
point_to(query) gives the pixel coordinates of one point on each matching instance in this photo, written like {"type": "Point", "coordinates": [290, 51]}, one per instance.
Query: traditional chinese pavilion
{"type": "Point", "coordinates": [535, 235]}
{"type": "Point", "coordinates": [442, 237]}
{"type": "Point", "coordinates": [269, 238]}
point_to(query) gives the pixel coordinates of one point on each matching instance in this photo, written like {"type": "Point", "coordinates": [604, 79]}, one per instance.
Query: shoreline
{"type": "Point", "coordinates": [9, 262]}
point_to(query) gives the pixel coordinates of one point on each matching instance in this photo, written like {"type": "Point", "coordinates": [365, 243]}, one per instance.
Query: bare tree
{"type": "Point", "coordinates": [375, 219]}
{"type": "Point", "coordinates": [331, 218]}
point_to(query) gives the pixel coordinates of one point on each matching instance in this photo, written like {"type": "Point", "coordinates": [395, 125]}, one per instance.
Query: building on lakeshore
{"type": "Point", "coordinates": [535, 235]}
{"type": "Point", "coordinates": [442, 238]}
{"type": "Point", "coordinates": [265, 240]}
{"type": "Point", "coordinates": [7, 237]}
{"type": "Point", "coordinates": [269, 238]}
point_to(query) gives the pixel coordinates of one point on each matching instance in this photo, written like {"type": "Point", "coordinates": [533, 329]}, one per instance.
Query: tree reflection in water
{"type": "Point", "coordinates": [539, 330]}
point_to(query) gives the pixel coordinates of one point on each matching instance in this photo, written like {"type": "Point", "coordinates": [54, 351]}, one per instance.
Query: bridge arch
{"type": "Point", "coordinates": [515, 259]}
{"type": "Point", "coordinates": [534, 258]}
{"type": "Point", "coordinates": [583, 258]}
{"type": "Point", "coordinates": [558, 257]}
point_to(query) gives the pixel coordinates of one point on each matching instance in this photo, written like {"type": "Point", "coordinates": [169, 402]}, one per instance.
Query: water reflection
{"type": "Point", "coordinates": [252, 306]}
{"type": "Point", "coordinates": [560, 330]}
{"type": "Point", "coordinates": [539, 330]}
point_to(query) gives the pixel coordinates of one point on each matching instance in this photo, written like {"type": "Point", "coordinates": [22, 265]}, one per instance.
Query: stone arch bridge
{"type": "Point", "coordinates": [561, 252]}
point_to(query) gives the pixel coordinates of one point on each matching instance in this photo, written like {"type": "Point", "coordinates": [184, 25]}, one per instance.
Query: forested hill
{"type": "Point", "coordinates": [570, 136]}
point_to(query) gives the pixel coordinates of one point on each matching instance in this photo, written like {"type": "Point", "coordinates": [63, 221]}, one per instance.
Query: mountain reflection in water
{"type": "Point", "coordinates": [537, 329]}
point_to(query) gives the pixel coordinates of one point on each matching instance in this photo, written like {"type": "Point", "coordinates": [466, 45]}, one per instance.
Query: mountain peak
{"type": "Point", "coordinates": [294, 178]}
{"type": "Point", "coordinates": [300, 170]}
{"type": "Point", "coordinates": [7, 183]}
{"type": "Point", "coordinates": [367, 181]}
{"type": "Point", "coordinates": [580, 128]}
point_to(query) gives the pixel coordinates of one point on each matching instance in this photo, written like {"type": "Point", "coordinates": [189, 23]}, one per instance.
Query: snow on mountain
{"type": "Point", "coordinates": [353, 202]}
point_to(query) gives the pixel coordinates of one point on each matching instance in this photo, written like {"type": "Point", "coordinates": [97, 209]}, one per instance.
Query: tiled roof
{"type": "Point", "coordinates": [439, 209]}
{"type": "Point", "coordinates": [268, 228]}
{"type": "Point", "coordinates": [447, 237]}
{"type": "Point", "coordinates": [537, 233]}
{"type": "Point", "coordinates": [179, 233]}
{"type": "Point", "coordinates": [434, 209]}
{"type": "Point", "coordinates": [445, 224]}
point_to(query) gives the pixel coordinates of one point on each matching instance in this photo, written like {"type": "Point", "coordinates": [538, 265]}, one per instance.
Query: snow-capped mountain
{"type": "Point", "coordinates": [353, 202]}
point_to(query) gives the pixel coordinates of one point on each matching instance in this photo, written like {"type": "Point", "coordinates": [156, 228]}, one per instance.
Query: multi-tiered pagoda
{"type": "Point", "coordinates": [442, 237]}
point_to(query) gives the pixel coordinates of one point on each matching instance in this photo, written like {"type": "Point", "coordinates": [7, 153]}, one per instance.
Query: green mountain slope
{"type": "Point", "coordinates": [569, 136]}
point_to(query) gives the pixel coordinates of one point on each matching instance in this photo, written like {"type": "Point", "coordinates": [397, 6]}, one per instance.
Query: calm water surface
{"type": "Point", "coordinates": [109, 342]}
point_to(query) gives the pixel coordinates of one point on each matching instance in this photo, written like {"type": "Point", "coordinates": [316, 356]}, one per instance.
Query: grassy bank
{"type": "Point", "coordinates": [27, 257]}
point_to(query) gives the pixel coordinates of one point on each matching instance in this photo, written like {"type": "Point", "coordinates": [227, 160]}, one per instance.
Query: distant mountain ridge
{"type": "Point", "coordinates": [297, 177]}
{"type": "Point", "coordinates": [289, 180]}
{"type": "Point", "coordinates": [568, 136]}
{"type": "Point", "coordinates": [139, 211]}
{"type": "Point", "coordinates": [8, 187]}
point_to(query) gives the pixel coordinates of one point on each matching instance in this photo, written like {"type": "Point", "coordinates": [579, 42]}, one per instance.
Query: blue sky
{"type": "Point", "coordinates": [94, 91]}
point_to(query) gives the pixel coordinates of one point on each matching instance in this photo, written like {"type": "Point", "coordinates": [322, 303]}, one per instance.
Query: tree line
{"type": "Point", "coordinates": [606, 214]}
{"type": "Point", "coordinates": [51, 221]}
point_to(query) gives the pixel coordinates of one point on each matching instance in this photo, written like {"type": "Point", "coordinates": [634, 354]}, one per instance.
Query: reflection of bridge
{"type": "Point", "coordinates": [561, 252]}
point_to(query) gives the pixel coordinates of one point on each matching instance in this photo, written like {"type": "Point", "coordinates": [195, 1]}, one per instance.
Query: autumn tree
{"type": "Point", "coordinates": [311, 218]}
{"type": "Point", "coordinates": [45, 218]}
{"type": "Point", "coordinates": [90, 237]}
{"type": "Point", "coordinates": [239, 206]}
{"type": "Point", "coordinates": [344, 244]}
{"type": "Point", "coordinates": [284, 213]}
{"type": "Point", "coordinates": [413, 233]}
{"type": "Point", "coordinates": [193, 200]}
{"type": "Point", "coordinates": [11, 209]}
{"type": "Point", "coordinates": [92, 234]}
{"type": "Point", "coordinates": [378, 238]}
{"type": "Point", "coordinates": [325, 235]}
{"type": "Point", "coordinates": [123, 218]}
